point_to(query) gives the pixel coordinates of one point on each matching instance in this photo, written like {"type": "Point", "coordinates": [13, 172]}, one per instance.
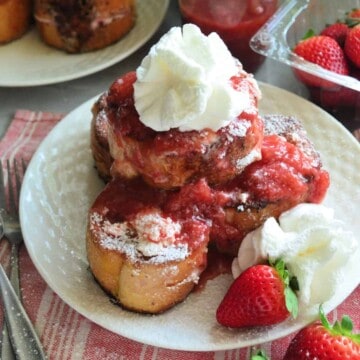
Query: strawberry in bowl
{"type": "Point", "coordinates": [324, 51]}
{"type": "Point", "coordinates": [335, 48]}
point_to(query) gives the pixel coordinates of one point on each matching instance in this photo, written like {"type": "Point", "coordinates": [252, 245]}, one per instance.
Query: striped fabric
{"type": "Point", "coordinates": [65, 334]}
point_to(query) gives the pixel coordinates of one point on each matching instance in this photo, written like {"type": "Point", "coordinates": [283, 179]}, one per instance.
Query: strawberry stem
{"type": "Point", "coordinates": [309, 33]}
{"type": "Point", "coordinates": [291, 285]}
{"type": "Point", "coordinates": [259, 355]}
{"type": "Point", "coordinates": [352, 22]}
{"type": "Point", "coordinates": [343, 328]}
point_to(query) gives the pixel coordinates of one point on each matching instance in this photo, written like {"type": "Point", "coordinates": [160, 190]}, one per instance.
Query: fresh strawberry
{"type": "Point", "coordinates": [338, 31]}
{"type": "Point", "coordinates": [352, 46]}
{"type": "Point", "coordinates": [322, 341]}
{"type": "Point", "coordinates": [261, 295]}
{"type": "Point", "coordinates": [325, 52]}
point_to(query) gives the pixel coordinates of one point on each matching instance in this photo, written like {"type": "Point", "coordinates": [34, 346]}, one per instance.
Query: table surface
{"type": "Point", "coordinates": [65, 96]}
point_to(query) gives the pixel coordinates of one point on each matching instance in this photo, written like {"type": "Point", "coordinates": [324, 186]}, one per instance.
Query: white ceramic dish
{"type": "Point", "coordinates": [29, 62]}
{"type": "Point", "coordinates": [61, 183]}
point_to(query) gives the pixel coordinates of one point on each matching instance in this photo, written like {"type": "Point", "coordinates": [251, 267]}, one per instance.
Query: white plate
{"type": "Point", "coordinates": [29, 62]}
{"type": "Point", "coordinates": [61, 183]}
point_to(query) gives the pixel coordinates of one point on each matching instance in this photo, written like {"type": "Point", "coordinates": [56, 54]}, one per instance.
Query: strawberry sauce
{"type": "Point", "coordinates": [284, 174]}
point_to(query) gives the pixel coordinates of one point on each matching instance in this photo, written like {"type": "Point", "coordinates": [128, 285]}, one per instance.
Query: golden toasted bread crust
{"type": "Point", "coordinates": [98, 140]}
{"type": "Point", "coordinates": [144, 286]}
{"type": "Point", "coordinates": [15, 19]}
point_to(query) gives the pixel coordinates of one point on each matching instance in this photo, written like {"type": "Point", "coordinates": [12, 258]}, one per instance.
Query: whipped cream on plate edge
{"type": "Point", "coordinates": [316, 247]}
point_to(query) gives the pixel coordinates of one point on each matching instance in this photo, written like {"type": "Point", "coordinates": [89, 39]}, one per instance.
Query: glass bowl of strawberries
{"type": "Point", "coordinates": [320, 40]}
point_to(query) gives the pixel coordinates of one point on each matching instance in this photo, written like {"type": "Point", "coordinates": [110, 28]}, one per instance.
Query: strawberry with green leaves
{"type": "Point", "coordinates": [263, 294]}
{"type": "Point", "coordinates": [323, 51]}
{"type": "Point", "coordinates": [323, 341]}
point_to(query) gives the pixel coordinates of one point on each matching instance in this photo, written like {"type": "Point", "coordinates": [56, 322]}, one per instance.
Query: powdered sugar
{"type": "Point", "coordinates": [131, 238]}
{"type": "Point", "coordinates": [249, 158]}
{"type": "Point", "coordinates": [293, 131]}
{"type": "Point", "coordinates": [238, 128]}
{"type": "Point", "coordinates": [153, 227]}
{"type": "Point", "coordinates": [193, 278]}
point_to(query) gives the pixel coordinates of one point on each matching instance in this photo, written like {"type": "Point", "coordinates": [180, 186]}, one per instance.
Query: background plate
{"type": "Point", "coordinates": [61, 183]}
{"type": "Point", "coordinates": [29, 62]}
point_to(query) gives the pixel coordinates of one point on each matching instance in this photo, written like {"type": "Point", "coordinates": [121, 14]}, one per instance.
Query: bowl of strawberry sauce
{"type": "Point", "coordinates": [235, 21]}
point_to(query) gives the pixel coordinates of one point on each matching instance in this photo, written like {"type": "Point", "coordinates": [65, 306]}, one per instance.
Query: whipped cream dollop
{"type": "Point", "coordinates": [315, 246]}
{"type": "Point", "coordinates": [184, 82]}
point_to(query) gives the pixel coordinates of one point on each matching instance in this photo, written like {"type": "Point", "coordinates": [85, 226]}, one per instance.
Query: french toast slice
{"type": "Point", "coordinates": [147, 260]}
{"type": "Point", "coordinates": [290, 172]}
{"type": "Point", "coordinates": [77, 27]}
{"type": "Point", "coordinates": [171, 159]}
